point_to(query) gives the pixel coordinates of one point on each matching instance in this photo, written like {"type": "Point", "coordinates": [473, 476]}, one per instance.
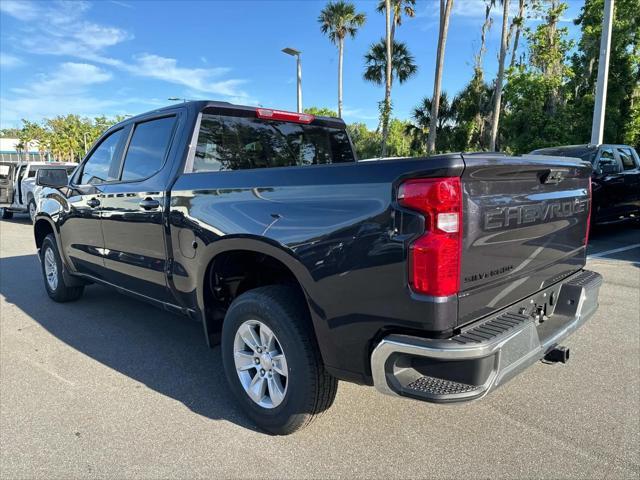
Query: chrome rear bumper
{"type": "Point", "coordinates": [488, 353]}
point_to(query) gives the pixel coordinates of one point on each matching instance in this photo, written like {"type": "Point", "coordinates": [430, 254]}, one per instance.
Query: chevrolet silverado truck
{"type": "Point", "coordinates": [435, 278]}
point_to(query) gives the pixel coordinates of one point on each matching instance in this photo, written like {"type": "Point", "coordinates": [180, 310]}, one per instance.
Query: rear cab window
{"type": "Point", "coordinates": [246, 142]}
{"type": "Point", "coordinates": [627, 158]}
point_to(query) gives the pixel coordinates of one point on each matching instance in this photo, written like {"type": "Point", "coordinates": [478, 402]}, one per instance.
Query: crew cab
{"type": "Point", "coordinates": [435, 278]}
{"type": "Point", "coordinates": [615, 179]}
{"type": "Point", "coordinates": [17, 184]}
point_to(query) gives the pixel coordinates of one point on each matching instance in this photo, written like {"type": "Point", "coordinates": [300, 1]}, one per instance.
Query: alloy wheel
{"type": "Point", "coordinates": [260, 363]}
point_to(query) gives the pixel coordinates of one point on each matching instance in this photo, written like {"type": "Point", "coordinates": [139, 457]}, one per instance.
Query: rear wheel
{"type": "Point", "coordinates": [54, 281]}
{"type": "Point", "coordinates": [272, 361]}
{"type": "Point", "coordinates": [6, 214]}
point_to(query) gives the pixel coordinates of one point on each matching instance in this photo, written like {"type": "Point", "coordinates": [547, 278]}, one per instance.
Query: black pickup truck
{"type": "Point", "coordinates": [434, 278]}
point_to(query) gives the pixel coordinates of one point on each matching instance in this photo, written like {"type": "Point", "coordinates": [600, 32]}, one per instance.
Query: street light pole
{"type": "Point", "coordinates": [597, 127]}
{"type": "Point", "coordinates": [296, 53]}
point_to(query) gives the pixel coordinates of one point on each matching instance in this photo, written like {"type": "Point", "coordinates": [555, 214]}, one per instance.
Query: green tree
{"type": "Point", "coordinates": [321, 111]}
{"type": "Point", "coordinates": [366, 142]}
{"type": "Point", "coordinates": [398, 8]}
{"type": "Point", "coordinates": [536, 110]}
{"type": "Point", "coordinates": [497, 94]}
{"type": "Point", "coordinates": [445, 14]}
{"type": "Point", "coordinates": [445, 124]}
{"type": "Point", "coordinates": [338, 20]}
{"type": "Point", "coordinates": [403, 64]}
{"type": "Point", "coordinates": [623, 91]}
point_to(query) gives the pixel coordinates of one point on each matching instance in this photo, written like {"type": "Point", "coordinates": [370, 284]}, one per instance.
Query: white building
{"type": "Point", "coordinates": [10, 151]}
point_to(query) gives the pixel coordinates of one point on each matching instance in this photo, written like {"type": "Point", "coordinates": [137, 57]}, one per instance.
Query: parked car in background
{"type": "Point", "coordinates": [615, 178]}
{"type": "Point", "coordinates": [17, 183]}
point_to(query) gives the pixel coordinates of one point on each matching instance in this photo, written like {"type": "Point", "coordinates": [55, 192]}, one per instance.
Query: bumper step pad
{"type": "Point", "coordinates": [438, 386]}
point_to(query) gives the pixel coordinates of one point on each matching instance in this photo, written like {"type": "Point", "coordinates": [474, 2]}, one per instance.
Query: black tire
{"type": "Point", "coordinates": [31, 208]}
{"type": "Point", "coordinates": [6, 214]}
{"type": "Point", "coordinates": [310, 389]}
{"type": "Point", "coordinates": [60, 292]}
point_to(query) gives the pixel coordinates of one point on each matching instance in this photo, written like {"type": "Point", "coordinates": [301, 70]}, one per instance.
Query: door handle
{"type": "Point", "coordinates": [149, 203]}
{"type": "Point", "coordinates": [93, 202]}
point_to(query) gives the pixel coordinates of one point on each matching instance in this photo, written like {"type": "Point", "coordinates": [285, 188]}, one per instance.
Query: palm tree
{"type": "Point", "coordinates": [497, 97]}
{"type": "Point", "coordinates": [398, 7]}
{"type": "Point", "coordinates": [386, 107]}
{"type": "Point", "coordinates": [402, 63]}
{"type": "Point", "coordinates": [445, 13]}
{"type": "Point", "coordinates": [517, 24]}
{"type": "Point", "coordinates": [447, 114]}
{"type": "Point", "coordinates": [337, 20]}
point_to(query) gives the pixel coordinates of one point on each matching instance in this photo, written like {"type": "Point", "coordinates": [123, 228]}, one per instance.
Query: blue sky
{"type": "Point", "coordinates": [125, 56]}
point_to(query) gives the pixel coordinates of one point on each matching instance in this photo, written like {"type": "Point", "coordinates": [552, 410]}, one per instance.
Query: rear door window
{"type": "Point", "coordinates": [148, 148]}
{"type": "Point", "coordinates": [627, 158]}
{"type": "Point", "coordinates": [97, 169]}
{"type": "Point", "coordinates": [239, 143]}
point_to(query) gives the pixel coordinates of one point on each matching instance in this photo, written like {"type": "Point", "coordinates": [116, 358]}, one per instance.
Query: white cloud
{"type": "Point", "coordinates": [24, 11]}
{"type": "Point", "coordinates": [67, 33]}
{"type": "Point", "coordinates": [86, 105]}
{"type": "Point", "coordinates": [464, 11]}
{"type": "Point", "coordinates": [200, 79]}
{"type": "Point", "coordinates": [66, 90]}
{"type": "Point", "coordinates": [10, 61]}
{"type": "Point", "coordinates": [70, 79]}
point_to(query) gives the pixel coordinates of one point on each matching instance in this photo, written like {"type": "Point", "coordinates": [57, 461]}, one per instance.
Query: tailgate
{"type": "Point", "coordinates": [525, 225]}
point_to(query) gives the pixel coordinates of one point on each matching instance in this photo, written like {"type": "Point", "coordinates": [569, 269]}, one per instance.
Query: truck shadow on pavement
{"type": "Point", "coordinates": [165, 352]}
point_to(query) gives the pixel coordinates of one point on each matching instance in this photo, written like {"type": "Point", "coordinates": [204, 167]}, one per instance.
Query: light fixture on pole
{"type": "Point", "coordinates": [296, 53]}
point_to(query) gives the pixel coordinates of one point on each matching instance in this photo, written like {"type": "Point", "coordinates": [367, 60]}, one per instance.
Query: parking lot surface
{"type": "Point", "coordinates": [111, 387]}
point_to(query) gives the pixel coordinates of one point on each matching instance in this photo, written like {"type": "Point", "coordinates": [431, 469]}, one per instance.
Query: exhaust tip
{"type": "Point", "coordinates": [557, 354]}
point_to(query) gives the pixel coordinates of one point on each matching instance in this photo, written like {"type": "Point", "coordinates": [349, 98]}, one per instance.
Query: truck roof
{"type": "Point", "coordinates": [199, 105]}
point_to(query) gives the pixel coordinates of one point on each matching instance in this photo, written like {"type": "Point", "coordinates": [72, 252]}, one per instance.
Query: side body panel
{"type": "Point", "coordinates": [335, 226]}
{"type": "Point", "coordinates": [78, 221]}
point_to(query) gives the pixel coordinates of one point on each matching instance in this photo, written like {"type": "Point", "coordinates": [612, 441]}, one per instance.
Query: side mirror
{"type": "Point", "coordinates": [608, 168]}
{"type": "Point", "coordinates": [52, 177]}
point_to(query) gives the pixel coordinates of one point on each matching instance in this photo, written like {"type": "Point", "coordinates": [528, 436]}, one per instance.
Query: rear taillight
{"type": "Point", "coordinates": [586, 235]}
{"type": "Point", "coordinates": [434, 258]}
{"type": "Point", "coordinates": [269, 114]}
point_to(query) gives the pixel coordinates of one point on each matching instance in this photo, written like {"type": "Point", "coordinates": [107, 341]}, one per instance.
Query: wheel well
{"type": "Point", "coordinates": [41, 229]}
{"type": "Point", "coordinates": [232, 273]}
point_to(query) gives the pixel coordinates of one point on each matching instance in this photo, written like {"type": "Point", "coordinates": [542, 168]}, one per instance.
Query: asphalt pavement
{"type": "Point", "coordinates": [109, 387]}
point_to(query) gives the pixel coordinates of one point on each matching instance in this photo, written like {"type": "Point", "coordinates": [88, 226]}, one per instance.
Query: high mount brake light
{"type": "Point", "coordinates": [434, 257]}
{"type": "Point", "coordinates": [269, 114]}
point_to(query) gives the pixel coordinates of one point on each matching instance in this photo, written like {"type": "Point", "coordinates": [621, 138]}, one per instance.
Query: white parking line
{"type": "Point", "coordinates": [606, 253]}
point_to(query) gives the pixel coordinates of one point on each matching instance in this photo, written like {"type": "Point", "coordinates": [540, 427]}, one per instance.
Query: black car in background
{"type": "Point", "coordinates": [615, 178]}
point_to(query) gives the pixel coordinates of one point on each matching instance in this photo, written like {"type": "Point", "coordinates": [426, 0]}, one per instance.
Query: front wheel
{"type": "Point", "coordinates": [32, 210]}
{"type": "Point", "coordinates": [272, 361]}
{"type": "Point", "coordinates": [54, 281]}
